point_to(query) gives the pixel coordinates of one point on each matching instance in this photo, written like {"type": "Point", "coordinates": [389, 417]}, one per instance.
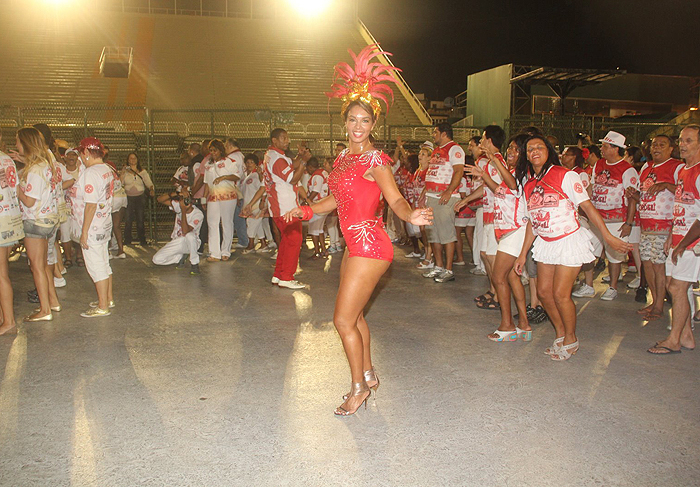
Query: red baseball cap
{"type": "Point", "coordinates": [91, 143]}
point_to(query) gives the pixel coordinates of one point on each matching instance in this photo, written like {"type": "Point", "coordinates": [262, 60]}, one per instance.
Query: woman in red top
{"type": "Point", "coordinates": [553, 194]}
{"type": "Point", "coordinates": [361, 176]}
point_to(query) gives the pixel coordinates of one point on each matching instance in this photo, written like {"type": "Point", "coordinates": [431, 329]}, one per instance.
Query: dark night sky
{"type": "Point", "coordinates": [438, 43]}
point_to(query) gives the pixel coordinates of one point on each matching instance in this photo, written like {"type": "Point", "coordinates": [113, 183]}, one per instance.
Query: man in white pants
{"type": "Point", "coordinates": [185, 236]}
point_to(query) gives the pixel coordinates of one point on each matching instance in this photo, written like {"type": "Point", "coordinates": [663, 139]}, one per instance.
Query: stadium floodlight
{"type": "Point", "coordinates": [310, 8]}
{"type": "Point", "coordinates": [58, 3]}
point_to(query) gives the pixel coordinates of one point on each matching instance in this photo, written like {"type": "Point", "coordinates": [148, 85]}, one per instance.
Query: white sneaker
{"type": "Point", "coordinates": [606, 278]}
{"type": "Point", "coordinates": [434, 272]}
{"type": "Point", "coordinates": [584, 291]}
{"type": "Point", "coordinates": [445, 276]}
{"type": "Point", "coordinates": [59, 282]}
{"type": "Point", "coordinates": [609, 295]}
{"type": "Point", "coordinates": [120, 256]}
{"type": "Point", "coordinates": [636, 282]}
{"type": "Point", "coordinates": [291, 284]}
{"type": "Point", "coordinates": [248, 251]}
{"type": "Point", "coordinates": [413, 255]}
{"type": "Point", "coordinates": [478, 271]}
{"type": "Point", "coordinates": [275, 280]}
{"type": "Point", "coordinates": [64, 271]}
{"type": "Point", "coordinates": [274, 256]}
{"type": "Point", "coordinates": [459, 263]}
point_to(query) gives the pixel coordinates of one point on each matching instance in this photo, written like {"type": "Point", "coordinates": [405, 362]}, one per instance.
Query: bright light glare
{"type": "Point", "coordinates": [310, 8]}
{"type": "Point", "coordinates": [58, 2]}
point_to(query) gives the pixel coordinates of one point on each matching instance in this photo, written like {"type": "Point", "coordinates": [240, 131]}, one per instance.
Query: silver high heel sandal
{"type": "Point", "coordinates": [370, 376]}
{"type": "Point", "coordinates": [356, 389]}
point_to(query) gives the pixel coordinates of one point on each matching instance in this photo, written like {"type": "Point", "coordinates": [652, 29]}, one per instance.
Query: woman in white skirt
{"type": "Point", "coordinates": [251, 184]}
{"type": "Point", "coordinates": [509, 225]}
{"type": "Point", "coordinates": [561, 245]}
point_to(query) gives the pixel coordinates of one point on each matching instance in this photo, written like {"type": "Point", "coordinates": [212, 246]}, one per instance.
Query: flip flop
{"type": "Point", "coordinates": [682, 347]}
{"type": "Point", "coordinates": [659, 347]}
{"type": "Point", "coordinates": [484, 297]}
{"type": "Point", "coordinates": [488, 304]}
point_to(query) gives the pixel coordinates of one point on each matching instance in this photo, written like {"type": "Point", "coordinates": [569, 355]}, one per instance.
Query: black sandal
{"type": "Point", "coordinates": [68, 263]}
{"type": "Point", "coordinates": [484, 297]}
{"type": "Point", "coordinates": [488, 304]}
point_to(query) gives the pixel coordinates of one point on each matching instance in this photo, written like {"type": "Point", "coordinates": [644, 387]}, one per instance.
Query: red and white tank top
{"type": "Point", "coordinates": [441, 168]}
{"type": "Point", "coordinates": [488, 194]}
{"type": "Point", "coordinates": [686, 205]}
{"type": "Point", "coordinates": [277, 176]}
{"type": "Point", "coordinates": [466, 188]}
{"type": "Point", "coordinates": [552, 202]}
{"type": "Point", "coordinates": [656, 211]}
{"type": "Point", "coordinates": [509, 213]}
{"type": "Point", "coordinates": [609, 184]}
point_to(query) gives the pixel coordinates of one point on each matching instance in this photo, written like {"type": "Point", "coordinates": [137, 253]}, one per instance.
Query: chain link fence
{"type": "Point", "coordinates": [567, 128]}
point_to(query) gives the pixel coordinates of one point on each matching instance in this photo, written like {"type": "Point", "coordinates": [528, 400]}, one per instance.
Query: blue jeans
{"type": "Point", "coordinates": [240, 225]}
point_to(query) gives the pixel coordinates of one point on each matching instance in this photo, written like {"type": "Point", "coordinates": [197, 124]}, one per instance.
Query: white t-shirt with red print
{"type": "Point", "coordinates": [486, 166]}
{"type": "Point", "coordinates": [609, 184]}
{"type": "Point", "coordinates": [656, 211]}
{"type": "Point", "coordinates": [318, 183]}
{"type": "Point", "coordinates": [11, 228]}
{"type": "Point", "coordinates": [509, 210]}
{"type": "Point", "coordinates": [224, 190]}
{"type": "Point", "coordinates": [686, 204]}
{"type": "Point", "coordinates": [278, 174]}
{"type": "Point", "coordinates": [194, 220]}
{"type": "Point", "coordinates": [95, 185]}
{"type": "Point", "coordinates": [552, 202]}
{"type": "Point", "coordinates": [38, 184]}
{"type": "Point", "coordinates": [441, 168]}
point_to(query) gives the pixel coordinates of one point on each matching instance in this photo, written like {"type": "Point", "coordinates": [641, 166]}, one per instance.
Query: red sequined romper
{"type": "Point", "coordinates": [359, 209]}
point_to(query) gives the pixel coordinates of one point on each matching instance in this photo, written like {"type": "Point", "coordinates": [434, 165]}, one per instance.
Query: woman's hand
{"type": "Point", "coordinates": [246, 211]}
{"type": "Point", "coordinates": [462, 203]}
{"type": "Point", "coordinates": [519, 264]}
{"type": "Point", "coordinates": [291, 214]}
{"type": "Point", "coordinates": [619, 245]}
{"type": "Point", "coordinates": [16, 156]}
{"type": "Point", "coordinates": [421, 217]}
{"type": "Point", "coordinates": [474, 171]}
{"type": "Point", "coordinates": [83, 241]}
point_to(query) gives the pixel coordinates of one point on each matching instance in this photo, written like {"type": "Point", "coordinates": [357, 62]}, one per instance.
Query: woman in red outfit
{"type": "Point", "coordinates": [361, 176]}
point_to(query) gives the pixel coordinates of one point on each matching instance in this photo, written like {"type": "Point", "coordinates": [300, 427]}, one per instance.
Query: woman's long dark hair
{"type": "Point", "coordinates": [519, 140]}
{"type": "Point", "coordinates": [138, 162]}
{"type": "Point", "coordinates": [579, 160]}
{"type": "Point", "coordinates": [524, 167]}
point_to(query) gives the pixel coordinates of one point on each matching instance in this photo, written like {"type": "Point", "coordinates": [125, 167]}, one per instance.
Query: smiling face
{"type": "Point", "coordinates": [215, 153]}
{"type": "Point", "coordinates": [512, 154]}
{"type": "Point", "coordinates": [475, 150]}
{"type": "Point", "coordinates": [661, 149]}
{"type": "Point", "coordinates": [359, 124]}
{"type": "Point", "coordinates": [537, 154]}
{"type": "Point", "coordinates": [250, 165]}
{"type": "Point", "coordinates": [132, 160]}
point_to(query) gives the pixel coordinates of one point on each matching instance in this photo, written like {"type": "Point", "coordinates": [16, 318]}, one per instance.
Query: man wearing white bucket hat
{"type": "Point", "coordinates": [612, 176]}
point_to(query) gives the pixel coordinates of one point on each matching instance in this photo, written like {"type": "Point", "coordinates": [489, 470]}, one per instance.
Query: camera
{"type": "Point", "coordinates": [187, 201]}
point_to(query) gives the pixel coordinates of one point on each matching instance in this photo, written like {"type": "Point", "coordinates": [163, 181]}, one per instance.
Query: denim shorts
{"type": "Point", "coordinates": [32, 230]}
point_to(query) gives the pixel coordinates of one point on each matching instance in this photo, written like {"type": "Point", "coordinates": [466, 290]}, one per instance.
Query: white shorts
{"type": "Point", "coordinates": [512, 244]}
{"type": "Point", "coordinates": [118, 203]}
{"type": "Point", "coordinates": [316, 224]}
{"type": "Point", "coordinates": [687, 269]}
{"type": "Point", "coordinates": [64, 228]}
{"type": "Point", "coordinates": [465, 222]}
{"type": "Point", "coordinates": [635, 235]}
{"type": "Point", "coordinates": [489, 245]}
{"type": "Point", "coordinates": [612, 255]}
{"type": "Point", "coordinates": [412, 230]}
{"type": "Point", "coordinates": [254, 228]}
{"type": "Point", "coordinates": [97, 260]}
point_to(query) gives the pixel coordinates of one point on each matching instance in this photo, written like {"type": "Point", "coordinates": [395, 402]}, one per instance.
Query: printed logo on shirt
{"type": "Point", "coordinates": [221, 165]}
{"type": "Point", "coordinates": [28, 188]}
{"type": "Point", "coordinates": [458, 155]}
{"type": "Point", "coordinates": [88, 188]}
{"type": "Point", "coordinates": [578, 188]}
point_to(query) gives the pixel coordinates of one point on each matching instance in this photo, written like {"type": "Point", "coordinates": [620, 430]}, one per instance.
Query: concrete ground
{"type": "Point", "coordinates": [222, 379]}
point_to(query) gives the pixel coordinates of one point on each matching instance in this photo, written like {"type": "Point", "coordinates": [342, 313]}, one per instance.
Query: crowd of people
{"type": "Point", "coordinates": [534, 214]}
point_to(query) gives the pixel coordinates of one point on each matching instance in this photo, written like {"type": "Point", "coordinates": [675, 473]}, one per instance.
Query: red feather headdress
{"type": "Point", "coordinates": [366, 82]}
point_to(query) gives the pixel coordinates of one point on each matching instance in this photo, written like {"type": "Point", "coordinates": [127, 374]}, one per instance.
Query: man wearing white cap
{"type": "Point", "coordinates": [610, 181]}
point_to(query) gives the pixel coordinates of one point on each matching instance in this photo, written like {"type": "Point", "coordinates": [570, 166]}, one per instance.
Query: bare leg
{"type": "Point", "coordinates": [6, 294]}
{"type": "Point", "coordinates": [505, 283]}
{"type": "Point", "coordinates": [116, 229]}
{"type": "Point", "coordinates": [53, 297]}
{"type": "Point", "coordinates": [545, 292]}
{"type": "Point", "coordinates": [58, 269]}
{"type": "Point", "coordinates": [360, 277]}
{"type": "Point", "coordinates": [614, 270]}
{"type": "Point", "coordinates": [564, 278]}
{"type": "Point", "coordinates": [470, 237]}
{"type": "Point", "coordinates": [36, 252]}
{"type": "Point", "coordinates": [103, 293]}
{"type": "Point", "coordinates": [449, 255]}
{"type": "Point", "coordinates": [437, 253]}
{"type": "Point", "coordinates": [489, 261]}
{"type": "Point", "coordinates": [681, 334]}
{"type": "Point", "coordinates": [460, 245]}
